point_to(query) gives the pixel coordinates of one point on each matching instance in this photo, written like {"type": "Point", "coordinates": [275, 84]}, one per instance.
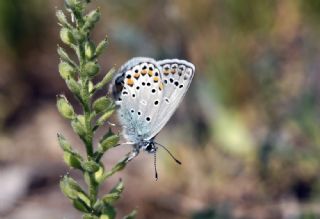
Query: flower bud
{"type": "Point", "coordinates": [66, 71]}
{"type": "Point", "coordinates": [99, 175]}
{"type": "Point", "coordinates": [101, 46]}
{"type": "Point", "coordinates": [108, 141]}
{"type": "Point", "coordinates": [78, 126]}
{"type": "Point", "coordinates": [64, 56]}
{"type": "Point", "coordinates": [101, 104]}
{"type": "Point", "coordinates": [91, 19]}
{"type": "Point", "coordinates": [62, 18]}
{"type": "Point", "coordinates": [89, 50]}
{"type": "Point", "coordinates": [66, 36]}
{"type": "Point", "coordinates": [73, 86]}
{"type": "Point", "coordinates": [65, 108]}
{"type": "Point", "coordinates": [70, 187]}
{"type": "Point", "coordinates": [120, 165]}
{"type": "Point", "coordinates": [91, 69]}
{"type": "Point", "coordinates": [105, 116]}
{"type": "Point", "coordinates": [90, 166]}
{"type": "Point", "coordinates": [64, 144]}
{"type": "Point", "coordinates": [80, 205]}
{"type": "Point", "coordinates": [72, 160]}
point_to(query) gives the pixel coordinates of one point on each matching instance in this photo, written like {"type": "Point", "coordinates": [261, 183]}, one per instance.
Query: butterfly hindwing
{"type": "Point", "coordinates": [139, 90]}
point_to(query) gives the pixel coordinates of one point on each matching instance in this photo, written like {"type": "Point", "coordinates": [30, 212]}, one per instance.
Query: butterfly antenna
{"type": "Point", "coordinates": [155, 165]}
{"type": "Point", "coordinates": [175, 159]}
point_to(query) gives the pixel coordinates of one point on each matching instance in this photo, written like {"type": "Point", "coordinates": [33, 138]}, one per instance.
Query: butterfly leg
{"type": "Point", "coordinates": [133, 154]}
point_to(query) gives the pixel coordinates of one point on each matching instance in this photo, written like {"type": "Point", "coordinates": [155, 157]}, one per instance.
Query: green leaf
{"type": "Point", "coordinates": [64, 107]}
{"type": "Point", "coordinates": [66, 70]}
{"type": "Point", "coordinates": [132, 215]}
{"type": "Point", "coordinates": [90, 166]}
{"type": "Point", "coordinates": [102, 104]}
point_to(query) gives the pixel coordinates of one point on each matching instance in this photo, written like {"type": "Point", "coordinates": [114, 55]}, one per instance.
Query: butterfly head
{"type": "Point", "coordinates": [148, 146]}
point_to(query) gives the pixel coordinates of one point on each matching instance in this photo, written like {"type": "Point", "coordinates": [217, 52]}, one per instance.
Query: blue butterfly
{"type": "Point", "coordinates": [147, 93]}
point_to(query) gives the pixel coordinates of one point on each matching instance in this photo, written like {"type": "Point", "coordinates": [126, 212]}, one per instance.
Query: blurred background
{"type": "Point", "coordinates": [247, 133]}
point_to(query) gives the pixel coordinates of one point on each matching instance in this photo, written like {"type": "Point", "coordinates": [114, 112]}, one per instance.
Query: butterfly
{"type": "Point", "coordinates": [147, 93]}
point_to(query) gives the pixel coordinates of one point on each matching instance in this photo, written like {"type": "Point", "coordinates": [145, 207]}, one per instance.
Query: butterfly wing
{"type": "Point", "coordinates": [138, 90]}
{"type": "Point", "coordinates": [176, 76]}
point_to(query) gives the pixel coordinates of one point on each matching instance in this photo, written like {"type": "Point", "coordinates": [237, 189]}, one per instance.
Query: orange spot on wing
{"type": "Point", "coordinates": [173, 71]}
{"type": "Point", "coordinates": [156, 79]}
{"type": "Point", "coordinates": [136, 75]}
{"type": "Point", "coordinates": [166, 72]}
{"type": "Point", "coordinates": [150, 73]}
{"type": "Point", "coordinates": [143, 72]}
{"type": "Point", "coordinates": [130, 82]}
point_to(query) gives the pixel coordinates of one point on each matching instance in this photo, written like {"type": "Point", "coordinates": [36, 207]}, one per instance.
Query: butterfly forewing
{"type": "Point", "coordinates": [176, 76]}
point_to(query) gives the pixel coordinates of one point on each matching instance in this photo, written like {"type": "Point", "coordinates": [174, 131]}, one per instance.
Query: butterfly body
{"type": "Point", "coordinates": [147, 93]}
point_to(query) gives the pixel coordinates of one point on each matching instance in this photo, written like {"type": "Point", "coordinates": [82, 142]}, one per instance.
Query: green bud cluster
{"type": "Point", "coordinates": [79, 75]}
